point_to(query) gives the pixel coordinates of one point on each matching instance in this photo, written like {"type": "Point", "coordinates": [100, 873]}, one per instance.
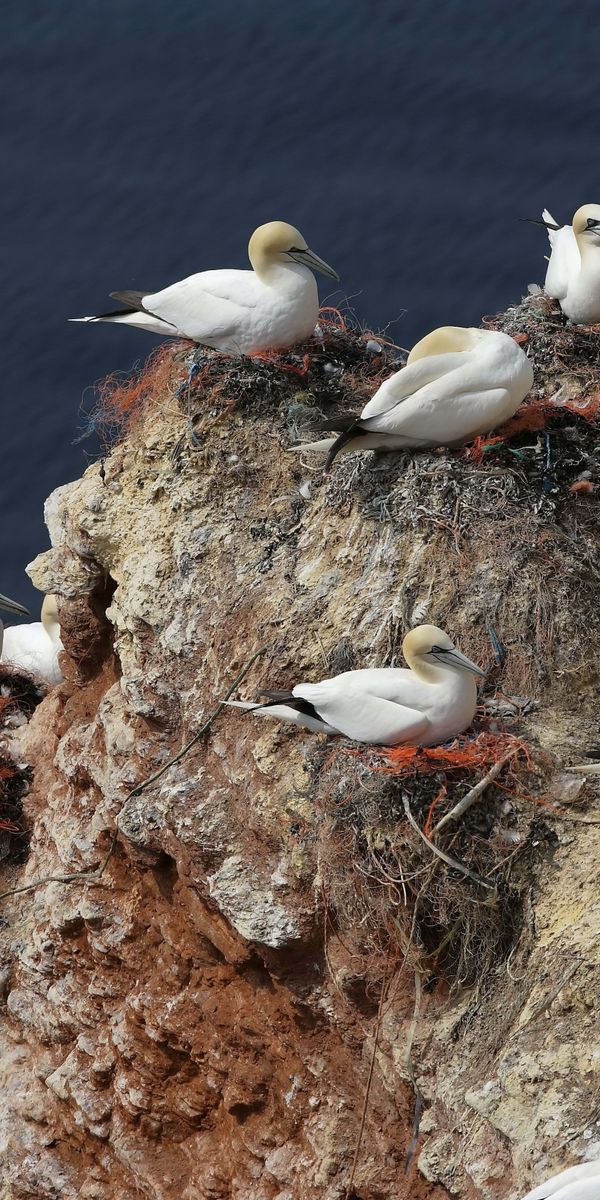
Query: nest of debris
{"type": "Point", "coordinates": [19, 696]}
{"type": "Point", "coordinates": [405, 881]}
{"type": "Point", "coordinates": [338, 369]}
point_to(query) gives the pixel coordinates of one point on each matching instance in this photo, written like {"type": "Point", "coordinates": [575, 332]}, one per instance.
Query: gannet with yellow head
{"type": "Point", "coordinates": [35, 647]}
{"type": "Point", "coordinates": [238, 312]}
{"type": "Point", "coordinates": [573, 275]}
{"type": "Point", "coordinates": [433, 700]}
{"type": "Point", "coordinates": [581, 1182]}
{"type": "Point", "coordinates": [457, 384]}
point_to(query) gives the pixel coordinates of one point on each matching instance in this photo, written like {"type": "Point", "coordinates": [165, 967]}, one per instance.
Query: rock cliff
{"type": "Point", "coordinates": [234, 1002]}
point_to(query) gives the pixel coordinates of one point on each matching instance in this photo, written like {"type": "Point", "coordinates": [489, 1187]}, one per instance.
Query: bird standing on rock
{"type": "Point", "coordinates": [457, 384]}
{"type": "Point", "coordinates": [433, 700]}
{"type": "Point", "coordinates": [573, 275]}
{"type": "Point", "coordinates": [274, 306]}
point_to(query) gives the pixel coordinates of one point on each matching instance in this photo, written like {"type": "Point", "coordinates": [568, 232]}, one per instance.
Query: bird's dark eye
{"type": "Point", "coordinates": [440, 649]}
{"type": "Point", "coordinates": [592, 224]}
{"type": "Point", "coordinates": [295, 250]}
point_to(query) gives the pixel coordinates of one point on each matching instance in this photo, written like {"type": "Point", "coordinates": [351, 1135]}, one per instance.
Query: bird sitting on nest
{"type": "Point", "coordinates": [433, 700]}
{"type": "Point", "coordinates": [457, 384]}
{"type": "Point", "coordinates": [34, 647]}
{"type": "Point", "coordinates": [573, 275]}
{"type": "Point", "coordinates": [273, 306]}
{"type": "Point", "coordinates": [576, 1183]}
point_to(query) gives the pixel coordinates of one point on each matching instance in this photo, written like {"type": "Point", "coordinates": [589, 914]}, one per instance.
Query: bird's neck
{"type": "Point", "coordinates": [52, 628]}
{"type": "Point", "coordinates": [281, 274]}
{"type": "Point", "coordinates": [428, 673]}
{"type": "Point", "coordinates": [589, 252]}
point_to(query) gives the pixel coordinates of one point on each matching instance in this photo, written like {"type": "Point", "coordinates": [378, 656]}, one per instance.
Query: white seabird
{"type": "Point", "coordinates": [457, 383]}
{"type": "Point", "coordinates": [576, 1183]}
{"type": "Point", "coordinates": [433, 700]}
{"type": "Point", "coordinates": [238, 312]}
{"type": "Point", "coordinates": [573, 275]}
{"type": "Point", "coordinates": [35, 647]}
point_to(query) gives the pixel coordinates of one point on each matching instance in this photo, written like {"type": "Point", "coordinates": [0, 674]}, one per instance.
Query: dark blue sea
{"type": "Point", "coordinates": [145, 139]}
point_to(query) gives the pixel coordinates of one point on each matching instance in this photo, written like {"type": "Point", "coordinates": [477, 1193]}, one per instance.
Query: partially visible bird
{"type": "Point", "coordinates": [591, 768]}
{"type": "Point", "coordinates": [573, 275]}
{"type": "Point", "coordinates": [576, 1183]}
{"type": "Point", "coordinates": [433, 700]}
{"type": "Point", "coordinates": [10, 606]}
{"type": "Point", "coordinates": [35, 647]}
{"type": "Point", "coordinates": [274, 306]}
{"type": "Point", "coordinates": [457, 383]}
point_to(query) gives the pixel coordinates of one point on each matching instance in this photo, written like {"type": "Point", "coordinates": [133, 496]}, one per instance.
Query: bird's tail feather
{"type": "Point", "coordinates": [323, 444]}
{"type": "Point", "coordinates": [351, 437]}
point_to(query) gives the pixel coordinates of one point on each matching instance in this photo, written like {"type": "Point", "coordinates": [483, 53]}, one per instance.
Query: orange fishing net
{"type": "Point", "coordinates": [120, 399]}
{"type": "Point", "coordinates": [464, 753]}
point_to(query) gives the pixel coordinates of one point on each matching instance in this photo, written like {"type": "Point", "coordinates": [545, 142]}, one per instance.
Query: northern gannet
{"type": "Point", "coordinates": [433, 700]}
{"type": "Point", "coordinates": [573, 275]}
{"type": "Point", "coordinates": [35, 647]}
{"type": "Point", "coordinates": [576, 1183]}
{"type": "Point", "coordinates": [457, 383]}
{"type": "Point", "coordinates": [238, 312]}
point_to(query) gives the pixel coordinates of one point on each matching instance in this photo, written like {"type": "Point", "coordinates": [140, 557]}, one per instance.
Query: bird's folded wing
{"type": "Point", "coordinates": [201, 304]}
{"type": "Point", "coordinates": [409, 380]}
{"type": "Point", "coordinates": [368, 719]}
{"type": "Point", "coordinates": [577, 1185]}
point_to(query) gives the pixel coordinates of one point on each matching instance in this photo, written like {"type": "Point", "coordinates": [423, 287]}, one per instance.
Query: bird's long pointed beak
{"type": "Point", "coordinates": [539, 221]}
{"type": "Point", "coordinates": [460, 660]}
{"type": "Point", "coordinates": [307, 258]}
{"type": "Point", "coordinates": [11, 606]}
{"type": "Point", "coordinates": [467, 663]}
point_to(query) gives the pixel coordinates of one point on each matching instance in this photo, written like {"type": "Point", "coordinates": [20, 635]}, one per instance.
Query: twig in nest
{"type": "Point", "coordinates": [475, 792]}
{"type": "Point", "coordinates": [450, 862]}
{"type": "Point", "coordinates": [95, 876]}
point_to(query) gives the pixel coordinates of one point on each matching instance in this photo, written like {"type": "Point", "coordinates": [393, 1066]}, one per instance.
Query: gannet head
{"type": "Point", "coordinates": [276, 243]}
{"type": "Point", "coordinates": [11, 606]}
{"type": "Point", "coordinates": [586, 223]}
{"type": "Point", "coordinates": [49, 615]}
{"type": "Point", "coordinates": [427, 647]}
{"type": "Point", "coordinates": [448, 339]}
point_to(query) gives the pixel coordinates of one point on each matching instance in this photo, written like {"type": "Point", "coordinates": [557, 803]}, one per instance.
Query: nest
{"type": "Point", "coordinates": [336, 370]}
{"type": "Point", "coordinates": [19, 696]}
{"type": "Point", "coordinates": [389, 894]}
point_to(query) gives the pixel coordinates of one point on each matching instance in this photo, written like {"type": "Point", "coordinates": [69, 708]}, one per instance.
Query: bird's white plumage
{"type": "Point", "coordinates": [573, 274]}
{"type": "Point", "coordinates": [581, 1182]}
{"type": "Point", "coordinates": [432, 700]}
{"type": "Point", "coordinates": [458, 383]}
{"type": "Point", "coordinates": [35, 647]}
{"type": "Point", "coordinates": [379, 705]}
{"type": "Point", "coordinates": [274, 305]}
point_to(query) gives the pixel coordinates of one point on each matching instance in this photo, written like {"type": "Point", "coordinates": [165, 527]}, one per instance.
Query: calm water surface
{"type": "Point", "coordinates": [144, 140]}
